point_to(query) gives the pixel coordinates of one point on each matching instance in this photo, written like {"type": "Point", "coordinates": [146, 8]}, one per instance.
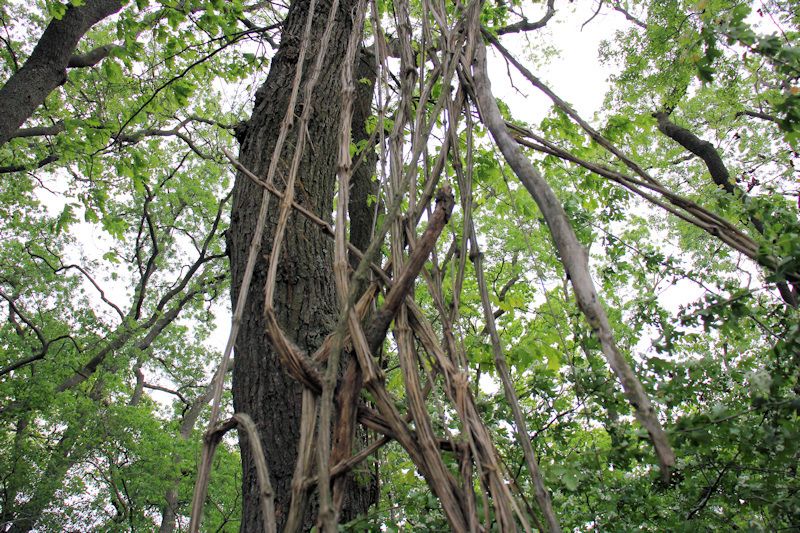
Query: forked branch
{"type": "Point", "coordinates": [266, 493]}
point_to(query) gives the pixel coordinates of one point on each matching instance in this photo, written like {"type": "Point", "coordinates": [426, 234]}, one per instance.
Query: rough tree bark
{"type": "Point", "coordinates": [46, 67]}
{"type": "Point", "coordinates": [305, 301]}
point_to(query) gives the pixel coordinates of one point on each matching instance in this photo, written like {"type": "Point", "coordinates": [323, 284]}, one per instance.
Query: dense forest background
{"type": "Point", "coordinates": [444, 317]}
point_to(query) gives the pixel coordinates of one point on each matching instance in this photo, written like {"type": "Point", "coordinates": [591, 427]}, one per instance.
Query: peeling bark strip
{"type": "Point", "coordinates": [440, 480]}
{"type": "Point", "coordinates": [265, 493]}
{"type": "Point", "coordinates": [402, 285]}
{"type": "Point", "coordinates": [575, 261]}
{"type": "Point", "coordinates": [298, 363]}
{"type": "Point", "coordinates": [46, 67]}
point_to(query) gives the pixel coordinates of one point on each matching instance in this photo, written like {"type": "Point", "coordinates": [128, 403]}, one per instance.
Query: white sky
{"type": "Point", "coordinates": [576, 74]}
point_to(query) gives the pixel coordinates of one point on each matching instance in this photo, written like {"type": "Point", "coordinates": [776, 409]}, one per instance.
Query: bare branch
{"type": "Point", "coordinates": [596, 12]}
{"type": "Point", "coordinates": [205, 120]}
{"type": "Point", "coordinates": [376, 332]}
{"type": "Point", "coordinates": [39, 131]}
{"type": "Point", "coordinates": [93, 56]}
{"type": "Point", "coordinates": [323, 226]}
{"type": "Point", "coordinates": [540, 490]}
{"type": "Point", "coordinates": [96, 286]}
{"type": "Point", "coordinates": [699, 147]}
{"type": "Point", "coordinates": [525, 25]}
{"type": "Point", "coordinates": [176, 393]}
{"type": "Point", "coordinates": [759, 114]}
{"type": "Point", "coordinates": [575, 261]}
{"type": "Point", "coordinates": [137, 136]}
{"type": "Point", "coordinates": [721, 177]}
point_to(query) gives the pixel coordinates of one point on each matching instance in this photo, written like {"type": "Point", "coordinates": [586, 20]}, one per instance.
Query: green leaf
{"type": "Point", "coordinates": [183, 90]}
{"type": "Point", "coordinates": [64, 220]}
{"type": "Point", "coordinates": [57, 10]}
{"type": "Point", "coordinates": [112, 71]}
{"type": "Point", "coordinates": [553, 358]}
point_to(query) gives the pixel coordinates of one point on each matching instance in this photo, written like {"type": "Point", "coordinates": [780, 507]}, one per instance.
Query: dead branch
{"type": "Point", "coordinates": [376, 331]}
{"type": "Point", "coordinates": [575, 262]}
{"type": "Point", "coordinates": [246, 425]}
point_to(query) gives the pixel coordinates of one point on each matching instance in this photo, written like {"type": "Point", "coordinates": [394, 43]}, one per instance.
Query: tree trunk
{"type": "Point", "coordinates": [305, 301]}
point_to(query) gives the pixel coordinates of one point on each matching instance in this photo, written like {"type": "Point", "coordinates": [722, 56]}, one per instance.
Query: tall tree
{"type": "Point", "coordinates": [305, 300]}
{"type": "Point", "coordinates": [548, 324]}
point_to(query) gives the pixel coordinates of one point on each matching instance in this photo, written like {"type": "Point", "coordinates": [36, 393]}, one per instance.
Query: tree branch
{"type": "Point", "coordinates": [52, 158]}
{"type": "Point", "coordinates": [132, 138]}
{"type": "Point", "coordinates": [96, 286]}
{"type": "Point", "coordinates": [525, 25]}
{"type": "Point", "coordinates": [180, 396]}
{"type": "Point", "coordinates": [618, 8]}
{"type": "Point", "coordinates": [759, 114]}
{"type": "Point", "coordinates": [45, 69]}
{"type": "Point", "coordinates": [137, 136]}
{"type": "Point", "coordinates": [93, 56]}
{"type": "Point", "coordinates": [575, 261]}
{"type": "Point", "coordinates": [376, 332]}
{"type": "Point", "coordinates": [39, 131]}
{"type": "Point", "coordinates": [721, 177]}
{"type": "Point", "coordinates": [28, 322]}
{"type": "Point", "coordinates": [699, 147]}
{"type": "Point", "coordinates": [43, 340]}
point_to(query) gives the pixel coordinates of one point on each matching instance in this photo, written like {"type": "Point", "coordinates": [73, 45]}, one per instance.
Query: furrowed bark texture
{"type": "Point", "coordinates": [361, 183]}
{"type": "Point", "coordinates": [46, 67]}
{"type": "Point", "coordinates": [305, 301]}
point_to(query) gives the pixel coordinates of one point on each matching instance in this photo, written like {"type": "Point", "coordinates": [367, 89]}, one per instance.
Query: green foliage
{"type": "Point", "coordinates": [96, 253]}
{"type": "Point", "coordinates": [98, 244]}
